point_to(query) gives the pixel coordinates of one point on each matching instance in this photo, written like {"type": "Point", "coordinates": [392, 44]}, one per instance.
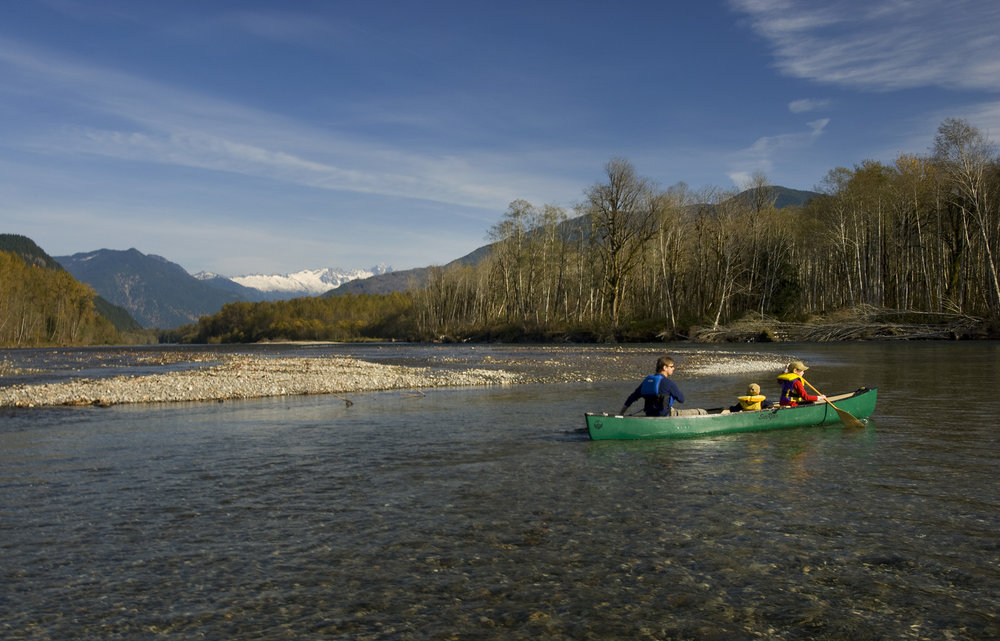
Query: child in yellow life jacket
{"type": "Point", "coordinates": [751, 401]}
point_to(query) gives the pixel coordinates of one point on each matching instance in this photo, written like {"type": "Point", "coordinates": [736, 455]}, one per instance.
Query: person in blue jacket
{"type": "Point", "coordinates": [658, 391]}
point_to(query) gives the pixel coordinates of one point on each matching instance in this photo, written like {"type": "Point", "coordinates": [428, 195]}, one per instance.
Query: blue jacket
{"type": "Point", "coordinates": [657, 404]}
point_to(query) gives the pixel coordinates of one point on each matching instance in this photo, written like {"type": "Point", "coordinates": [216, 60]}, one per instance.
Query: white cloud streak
{"type": "Point", "coordinates": [154, 123]}
{"type": "Point", "coordinates": [885, 44]}
{"type": "Point", "coordinates": [807, 104]}
{"type": "Point", "coordinates": [761, 154]}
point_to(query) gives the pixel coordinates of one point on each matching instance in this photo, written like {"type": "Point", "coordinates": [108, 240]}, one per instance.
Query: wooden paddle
{"type": "Point", "coordinates": [846, 417]}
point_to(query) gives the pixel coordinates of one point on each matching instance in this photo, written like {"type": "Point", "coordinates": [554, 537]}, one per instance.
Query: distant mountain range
{"type": "Point", "coordinates": [308, 282]}
{"type": "Point", "coordinates": [161, 294]}
{"type": "Point", "coordinates": [404, 279]}
{"type": "Point", "coordinates": [785, 197]}
{"type": "Point", "coordinates": [157, 292]}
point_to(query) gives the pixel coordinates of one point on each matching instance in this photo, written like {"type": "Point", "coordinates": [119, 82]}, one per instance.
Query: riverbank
{"type": "Point", "coordinates": [862, 323]}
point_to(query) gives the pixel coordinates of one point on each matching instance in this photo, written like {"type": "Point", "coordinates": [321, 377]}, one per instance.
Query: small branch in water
{"type": "Point", "coordinates": [347, 402]}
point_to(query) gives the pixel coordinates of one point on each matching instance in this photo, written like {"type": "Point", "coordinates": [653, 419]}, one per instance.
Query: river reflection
{"type": "Point", "coordinates": [479, 514]}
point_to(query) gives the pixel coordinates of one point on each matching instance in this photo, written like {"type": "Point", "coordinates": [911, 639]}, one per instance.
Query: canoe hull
{"type": "Point", "coordinates": [859, 404]}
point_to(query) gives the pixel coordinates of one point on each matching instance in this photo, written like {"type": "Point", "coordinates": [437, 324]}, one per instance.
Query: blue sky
{"type": "Point", "coordinates": [267, 137]}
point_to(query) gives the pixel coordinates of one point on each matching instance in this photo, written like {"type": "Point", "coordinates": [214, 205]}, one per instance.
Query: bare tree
{"type": "Point", "coordinates": [624, 217]}
{"type": "Point", "coordinates": [669, 247]}
{"type": "Point", "coordinates": [511, 258]}
{"type": "Point", "coordinates": [968, 160]}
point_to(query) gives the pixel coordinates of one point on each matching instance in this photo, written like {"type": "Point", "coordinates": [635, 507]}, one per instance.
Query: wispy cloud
{"type": "Point", "coordinates": [986, 116]}
{"type": "Point", "coordinates": [149, 122]}
{"type": "Point", "coordinates": [291, 27]}
{"type": "Point", "coordinates": [885, 44]}
{"type": "Point", "coordinates": [807, 104]}
{"type": "Point", "coordinates": [761, 155]}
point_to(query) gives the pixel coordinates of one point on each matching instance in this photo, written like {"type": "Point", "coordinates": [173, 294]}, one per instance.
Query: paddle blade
{"type": "Point", "coordinates": [847, 418]}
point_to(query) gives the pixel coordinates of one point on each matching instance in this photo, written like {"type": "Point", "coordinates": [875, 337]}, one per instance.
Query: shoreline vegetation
{"type": "Point", "coordinates": [267, 322]}
{"type": "Point", "coordinates": [863, 323]}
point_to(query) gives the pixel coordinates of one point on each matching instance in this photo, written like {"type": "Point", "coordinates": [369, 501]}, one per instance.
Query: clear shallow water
{"type": "Point", "coordinates": [473, 514]}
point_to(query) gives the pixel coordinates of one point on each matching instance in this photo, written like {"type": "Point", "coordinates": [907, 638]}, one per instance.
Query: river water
{"type": "Point", "coordinates": [480, 514]}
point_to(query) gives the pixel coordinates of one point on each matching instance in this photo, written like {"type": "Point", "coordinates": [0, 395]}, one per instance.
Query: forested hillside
{"type": "Point", "coordinates": [28, 250]}
{"type": "Point", "coordinates": [40, 305]}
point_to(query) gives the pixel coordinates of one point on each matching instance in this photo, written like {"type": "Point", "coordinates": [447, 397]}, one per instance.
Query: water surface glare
{"type": "Point", "coordinates": [478, 514]}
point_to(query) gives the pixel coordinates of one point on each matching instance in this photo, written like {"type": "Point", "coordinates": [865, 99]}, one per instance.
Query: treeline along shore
{"type": "Point", "coordinates": [906, 249]}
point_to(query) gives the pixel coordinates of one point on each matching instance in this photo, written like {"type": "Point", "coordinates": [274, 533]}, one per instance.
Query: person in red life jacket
{"type": "Point", "coordinates": [657, 391]}
{"type": "Point", "coordinates": [793, 391]}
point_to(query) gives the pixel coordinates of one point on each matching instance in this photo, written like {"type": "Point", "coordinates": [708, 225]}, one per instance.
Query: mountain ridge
{"type": "Point", "coordinates": [161, 294]}
{"type": "Point", "coordinates": [305, 282]}
{"type": "Point", "coordinates": [158, 293]}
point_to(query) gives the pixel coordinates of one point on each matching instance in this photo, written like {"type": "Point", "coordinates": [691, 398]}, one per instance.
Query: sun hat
{"type": "Point", "coordinates": [794, 365]}
{"type": "Point", "coordinates": [753, 390]}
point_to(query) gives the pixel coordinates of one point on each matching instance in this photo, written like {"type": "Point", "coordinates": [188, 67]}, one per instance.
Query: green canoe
{"type": "Point", "coordinates": [859, 404]}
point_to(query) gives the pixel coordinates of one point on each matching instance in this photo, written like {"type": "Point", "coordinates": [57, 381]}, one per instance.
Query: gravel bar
{"type": "Point", "coordinates": [216, 377]}
{"type": "Point", "coordinates": [242, 377]}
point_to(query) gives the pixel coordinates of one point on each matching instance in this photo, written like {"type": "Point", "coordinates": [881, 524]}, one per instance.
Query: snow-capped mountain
{"type": "Point", "coordinates": [308, 282]}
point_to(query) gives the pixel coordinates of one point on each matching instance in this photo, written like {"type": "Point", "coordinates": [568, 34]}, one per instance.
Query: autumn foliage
{"type": "Point", "coordinates": [42, 306]}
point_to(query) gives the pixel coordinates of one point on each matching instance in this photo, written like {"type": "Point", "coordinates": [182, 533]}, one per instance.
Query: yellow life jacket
{"type": "Point", "coordinates": [750, 402]}
{"type": "Point", "coordinates": [789, 394]}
